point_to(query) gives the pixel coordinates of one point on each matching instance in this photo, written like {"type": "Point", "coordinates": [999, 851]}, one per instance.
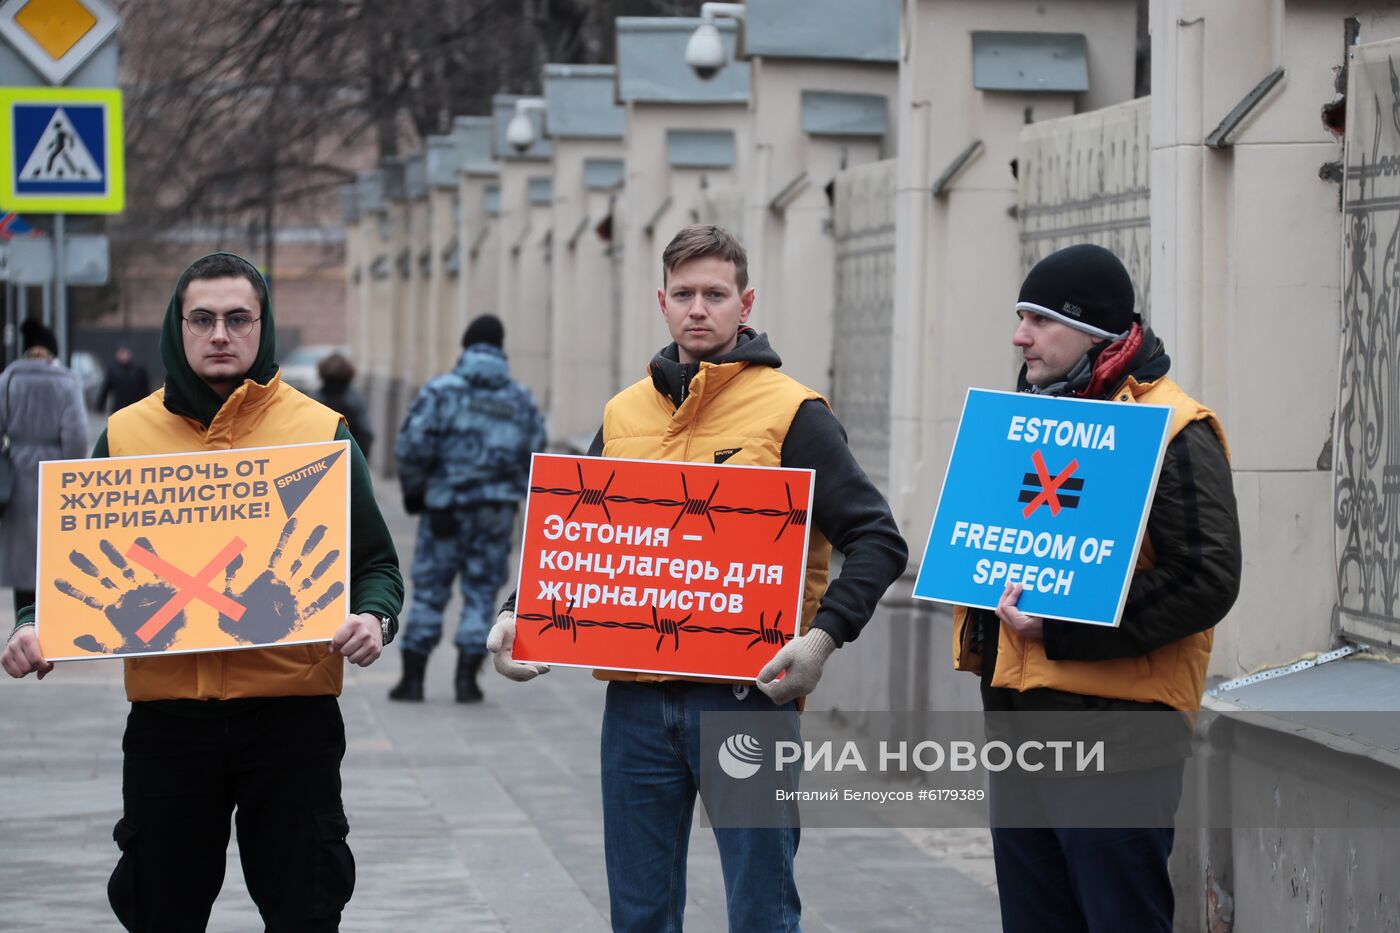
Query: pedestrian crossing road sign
{"type": "Point", "coordinates": [63, 150]}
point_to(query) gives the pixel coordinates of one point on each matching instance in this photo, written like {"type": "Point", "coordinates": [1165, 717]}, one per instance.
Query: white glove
{"type": "Point", "coordinates": [499, 643]}
{"type": "Point", "coordinates": [802, 658]}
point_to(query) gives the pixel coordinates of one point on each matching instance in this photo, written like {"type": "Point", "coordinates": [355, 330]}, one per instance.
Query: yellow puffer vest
{"type": "Point", "coordinates": [730, 405]}
{"type": "Point", "coordinates": [254, 416]}
{"type": "Point", "coordinates": [1174, 674]}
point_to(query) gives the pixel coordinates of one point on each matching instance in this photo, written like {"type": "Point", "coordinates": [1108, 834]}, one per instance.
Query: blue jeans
{"type": "Point", "coordinates": [651, 762]}
{"type": "Point", "coordinates": [474, 543]}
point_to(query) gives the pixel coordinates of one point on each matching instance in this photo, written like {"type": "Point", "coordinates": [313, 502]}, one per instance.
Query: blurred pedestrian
{"type": "Point", "coordinates": [464, 461]}
{"type": "Point", "coordinates": [337, 372]}
{"type": "Point", "coordinates": [42, 417]}
{"type": "Point", "coordinates": [126, 382]}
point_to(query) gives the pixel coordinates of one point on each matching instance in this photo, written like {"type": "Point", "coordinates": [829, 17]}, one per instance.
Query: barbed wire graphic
{"type": "Point", "coordinates": [664, 627]}
{"type": "Point", "coordinates": [687, 504]}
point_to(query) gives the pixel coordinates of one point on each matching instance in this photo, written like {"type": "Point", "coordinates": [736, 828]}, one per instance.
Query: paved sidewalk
{"type": "Point", "coordinates": [463, 818]}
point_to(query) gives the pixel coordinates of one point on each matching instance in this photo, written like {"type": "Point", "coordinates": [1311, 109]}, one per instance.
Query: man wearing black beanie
{"type": "Point", "coordinates": [464, 461]}
{"type": "Point", "coordinates": [1080, 338]}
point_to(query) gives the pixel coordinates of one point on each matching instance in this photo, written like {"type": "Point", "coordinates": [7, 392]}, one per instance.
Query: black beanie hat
{"type": "Point", "coordinates": [486, 328]}
{"type": "Point", "coordinates": [1085, 287]}
{"type": "Point", "coordinates": [33, 334]}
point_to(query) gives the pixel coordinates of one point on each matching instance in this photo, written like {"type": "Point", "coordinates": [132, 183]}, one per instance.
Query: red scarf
{"type": "Point", "coordinates": [1113, 363]}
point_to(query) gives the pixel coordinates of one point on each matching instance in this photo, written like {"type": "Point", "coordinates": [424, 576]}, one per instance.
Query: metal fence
{"type": "Point", "coordinates": [1366, 441]}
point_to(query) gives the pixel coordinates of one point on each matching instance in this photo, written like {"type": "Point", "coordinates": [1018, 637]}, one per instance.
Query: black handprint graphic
{"type": "Point", "coordinates": [130, 609]}
{"type": "Point", "coordinates": [271, 609]}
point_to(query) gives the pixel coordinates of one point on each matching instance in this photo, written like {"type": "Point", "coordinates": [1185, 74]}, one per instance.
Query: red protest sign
{"type": "Point", "coordinates": [657, 566]}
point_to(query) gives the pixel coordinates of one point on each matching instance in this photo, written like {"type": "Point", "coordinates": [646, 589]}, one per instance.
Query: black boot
{"type": "Point", "coordinates": [410, 688]}
{"type": "Point", "coordinates": [468, 664]}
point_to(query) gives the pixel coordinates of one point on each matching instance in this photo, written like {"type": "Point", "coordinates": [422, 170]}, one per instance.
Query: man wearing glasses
{"type": "Point", "coordinates": [259, 731]}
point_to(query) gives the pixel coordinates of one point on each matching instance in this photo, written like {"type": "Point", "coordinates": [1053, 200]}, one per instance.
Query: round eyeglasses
{"type": "Point", "coordinates": [202, 324]}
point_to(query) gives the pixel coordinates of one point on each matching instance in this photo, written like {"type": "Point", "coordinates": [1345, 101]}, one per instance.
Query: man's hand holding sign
{"type": "Point", "coordinates": [23, 656]}
{"type": "Point", "coordinates": [1020, 623]}
{"type": "Point", "coordinates": [360, 639]}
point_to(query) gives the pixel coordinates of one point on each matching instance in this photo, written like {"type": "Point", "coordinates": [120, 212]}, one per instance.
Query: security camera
{"type": "Point", "coordinates": [704, 53]}
{"type": "Point", "coordinates": [520, 132]}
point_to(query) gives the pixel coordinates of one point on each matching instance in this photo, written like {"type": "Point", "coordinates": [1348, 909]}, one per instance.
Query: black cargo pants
{"type": "Point", "coordinates": [275, 766]}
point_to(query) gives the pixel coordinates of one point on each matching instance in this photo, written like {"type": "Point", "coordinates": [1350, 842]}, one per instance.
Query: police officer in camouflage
{"type": "Point", "coordinates": [464, 464]}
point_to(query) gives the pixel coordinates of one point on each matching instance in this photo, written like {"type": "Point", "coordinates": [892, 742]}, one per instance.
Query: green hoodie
{"type": "Point", "coordinates": [376, 585]}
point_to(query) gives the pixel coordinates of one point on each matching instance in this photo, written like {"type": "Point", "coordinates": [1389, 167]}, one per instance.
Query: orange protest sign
{"type": "Point", "coordinates": [671, 568]}
{"type": "Point", "coordinates": [202, 551]}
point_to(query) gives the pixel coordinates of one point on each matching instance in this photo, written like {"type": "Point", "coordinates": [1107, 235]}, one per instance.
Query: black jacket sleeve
{"type": "Point", "coordinates": [854, 517]}
{"type": "Point", "coordinates": [1194, 528]}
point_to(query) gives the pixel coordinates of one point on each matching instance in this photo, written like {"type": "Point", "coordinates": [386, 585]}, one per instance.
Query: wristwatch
{"type": "Point", "coordinates": [385, 631]}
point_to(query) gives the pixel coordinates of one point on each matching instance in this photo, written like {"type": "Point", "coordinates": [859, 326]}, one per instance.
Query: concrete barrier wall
{"type": "Point", "coordinates": [723, 207]}
{"type": "Point", "coordinates": [863, 237]}
{"type": "Point", "coordinates": [659, 200]}
{"type": "Point", "coordinates": [440, 331]}
{"type": "Point", "coordinates": [787, 210]}
{"type": "Point", "coordinates": [900, 661]}
{"type": "Point", "coordinates": [584, 342]}
{"type": "Point", "coordinates": [479, 237]}
{"type": "Point", "coordinates": [523, 284]}
{"type": "Point", "coordinates": [958, 251]}
{"type": "Point", "coordinates": [385, 292]}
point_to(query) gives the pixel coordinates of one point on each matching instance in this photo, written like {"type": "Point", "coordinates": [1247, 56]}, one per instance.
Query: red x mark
{"type": "Point", "coordinates": [188, 587]}
{"type": "Point", "coordinates": [1048, 486]}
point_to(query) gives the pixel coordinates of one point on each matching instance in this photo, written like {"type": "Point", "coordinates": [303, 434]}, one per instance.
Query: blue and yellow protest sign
{"type": "Point", "coordinates": [1051, 493]}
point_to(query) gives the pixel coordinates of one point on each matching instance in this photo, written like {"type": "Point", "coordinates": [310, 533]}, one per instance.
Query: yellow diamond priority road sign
{"type": "Point", "coordinates": [56, 36]}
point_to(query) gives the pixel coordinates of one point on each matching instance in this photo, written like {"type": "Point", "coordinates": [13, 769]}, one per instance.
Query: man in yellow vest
{"type": "Point", "coordinates": [1079, 337]}
{"type": "Point", "coordinates": [259, 731]}
{"type": "Point", "coordinates": [715, 396]}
